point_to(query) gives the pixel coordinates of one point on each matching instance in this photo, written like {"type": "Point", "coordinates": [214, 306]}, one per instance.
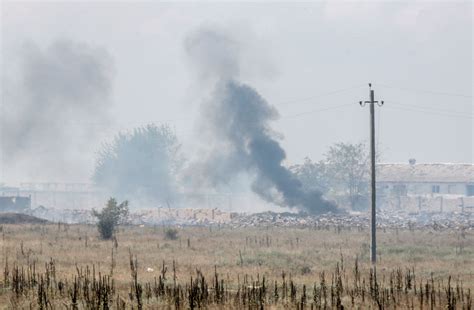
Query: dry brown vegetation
{"type": "Point", "coordinates": [68, 266]}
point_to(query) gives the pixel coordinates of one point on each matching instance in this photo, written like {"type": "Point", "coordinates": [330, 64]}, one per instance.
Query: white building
{"type": "Point", "coordinates": [426, 179]}
{"type": "Point", "coordinates": [439, 186]}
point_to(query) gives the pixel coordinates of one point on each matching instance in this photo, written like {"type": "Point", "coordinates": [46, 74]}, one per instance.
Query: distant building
{"type": "Point", "coordinates": [442, 185]}
{"type": "Point", "coordinates": [426, 179]}
{"type": "Point", "coordinates": [57, 195]}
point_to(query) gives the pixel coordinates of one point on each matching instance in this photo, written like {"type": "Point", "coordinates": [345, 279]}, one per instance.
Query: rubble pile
{"type": "Point", "coordinates": [209, 217]}
{"type": "Point", "coordinates": [385, 219]}
{"type": "Point", "coordinates": [156, 216]}
{"type": "Point", "coordinates": [163, 216]}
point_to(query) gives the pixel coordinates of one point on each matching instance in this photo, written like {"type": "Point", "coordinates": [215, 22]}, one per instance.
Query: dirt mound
{"type": "Point", "coordinates": [20, 218]}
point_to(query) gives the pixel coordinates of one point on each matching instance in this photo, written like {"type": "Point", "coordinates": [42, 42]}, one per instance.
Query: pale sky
{"type": "Point", "coordinates": [312, 61]}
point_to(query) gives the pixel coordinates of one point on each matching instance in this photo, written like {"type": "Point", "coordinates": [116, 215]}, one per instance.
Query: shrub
{"type": "Point", "coordinates": [110, 216]}
{"type": "Point", "coordinates": [171, 233]}
{"type": "Point", "coordinates": [305, 270]}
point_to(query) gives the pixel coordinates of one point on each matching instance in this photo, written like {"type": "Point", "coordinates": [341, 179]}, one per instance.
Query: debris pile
{"type": "Point", "coordinates": [167, 216]}
{"type": "Point", "coordinates": [157, 216]}
{"type": "Point", "coordinates": [208, 217]}
{"type": "Point", "coordinates": [385, 219]}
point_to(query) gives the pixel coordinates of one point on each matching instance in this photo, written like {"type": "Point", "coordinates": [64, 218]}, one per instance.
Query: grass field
{"type": "Point", "coordinates": [68, 266]}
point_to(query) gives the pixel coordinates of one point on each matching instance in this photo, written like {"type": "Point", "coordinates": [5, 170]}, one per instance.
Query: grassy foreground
{"type": "Point", "coordinates": [67, 266]}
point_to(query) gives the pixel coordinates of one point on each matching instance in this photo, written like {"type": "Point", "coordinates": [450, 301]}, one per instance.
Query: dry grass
{"type": "Point", "coordinates": [239, 258]}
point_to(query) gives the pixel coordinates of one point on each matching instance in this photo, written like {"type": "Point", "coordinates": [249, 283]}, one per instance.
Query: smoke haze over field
{"type": "Point", "coordinates": [311, 61]}
{"type": "Point", "coordinates": [51, 110]}
{"type": "Point", "coordinates": [417, 54]}
{"type": "Point", "coordinates": [238, 135]}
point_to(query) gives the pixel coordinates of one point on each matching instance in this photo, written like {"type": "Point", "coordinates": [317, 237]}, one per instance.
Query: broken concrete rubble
{"type": "Point", "coordinates": [209, 217]}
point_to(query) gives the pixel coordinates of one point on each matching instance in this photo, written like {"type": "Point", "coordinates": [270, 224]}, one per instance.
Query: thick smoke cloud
{"type": "Point", "coordinates": [237, 131]}
{"type": "Point", "coordinates": [54, 109]}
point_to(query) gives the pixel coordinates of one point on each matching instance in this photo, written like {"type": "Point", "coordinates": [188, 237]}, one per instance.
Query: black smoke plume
{"type": "Point", "coordinates": [239, 138]}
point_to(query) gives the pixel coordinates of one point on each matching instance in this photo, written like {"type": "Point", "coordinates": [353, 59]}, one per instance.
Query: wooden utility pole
{"type": "Point", "coordinates": [373, 224]}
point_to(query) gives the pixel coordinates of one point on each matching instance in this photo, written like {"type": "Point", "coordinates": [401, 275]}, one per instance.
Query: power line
{"type": "Point", "coordinates": [323, 94]}
{"type": "Point", "coordinates": [320, 95]}
{"type": "Point", "coordinates": [314, 111]}
{"type": "Point", "coordinates": [292, 116]}
{"type": "Point", "coordinates": [414, 106]}
{"type": "Point", "coordinates": [425, 91]}
{"type": "Point", "coordinates": [433, 112]}
{"type": "Point", "coordinates": [430, 108]}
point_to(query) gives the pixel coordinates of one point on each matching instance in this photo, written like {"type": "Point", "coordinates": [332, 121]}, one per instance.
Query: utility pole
{"type": "Point", "coordinates": [373, 225]}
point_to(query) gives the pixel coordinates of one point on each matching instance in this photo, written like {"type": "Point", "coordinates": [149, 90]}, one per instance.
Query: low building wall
{"type": "Point", "coordinates": [428, 203]}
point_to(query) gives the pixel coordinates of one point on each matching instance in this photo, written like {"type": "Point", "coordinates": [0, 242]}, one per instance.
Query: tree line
{"type": "Point", "coordinates": [146, 161]}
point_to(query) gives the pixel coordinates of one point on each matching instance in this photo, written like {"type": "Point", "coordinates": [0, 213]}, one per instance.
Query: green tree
{"type": "Point", "coordinates": [140, 164]}
{"type": "Point", "coordinates": [347, 171]}
{"type": "Point", "coordinates": [312, 175]}
{"type": "Point", "coordinates": [342, 175]}
{"type": "Point", "coordinates": [110, 216]}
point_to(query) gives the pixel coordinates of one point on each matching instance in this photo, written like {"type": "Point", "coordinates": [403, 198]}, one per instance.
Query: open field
{"type": "Point", "coordinates": [67, 266]}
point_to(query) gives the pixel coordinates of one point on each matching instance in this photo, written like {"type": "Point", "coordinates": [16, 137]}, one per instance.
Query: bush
{"type": "Point", "coordinates": [110, 216]}
{"type": "Point", "coordinates": [171, 234]}
{"type": "Point", "coordinates": [305, 270]}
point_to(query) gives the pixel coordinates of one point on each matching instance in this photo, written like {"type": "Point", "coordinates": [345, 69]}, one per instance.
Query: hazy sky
{"type": "Point", "coordinates": [312, 61]}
